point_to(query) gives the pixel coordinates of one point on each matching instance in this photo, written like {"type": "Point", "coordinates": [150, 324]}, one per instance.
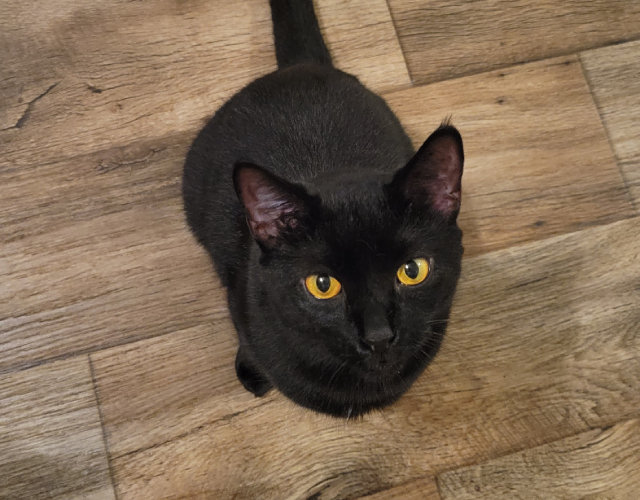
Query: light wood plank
{"type": "Point", "coordinates": [443, 39]}
{"type": "Point", "coordinates": [543, 344]}
{"type": "Point", "coordinates": [537, 160]}
{"type": "Point", "coordinates": [97, 283]}
{"type": "Point", "coordinates": [362, 39]}
{"type": "Point", "coordinates": [194, 378]}
{"type": "Point", "coordinates": [602, 463]}
{"type": "Point", "coordinates": [421, 489]}
{"type": "Point", "coordinates": [614, 76]}
{"type": "Point", "coordinates": [51, 444]}
{"type": "Point", "coordinates": [79, 77]}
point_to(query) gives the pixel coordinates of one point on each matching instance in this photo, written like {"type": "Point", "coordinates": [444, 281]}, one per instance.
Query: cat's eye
{"type": "Point", "coordinates": [322, 286]}
{"type": "Point", "coordinates": [413, 271]}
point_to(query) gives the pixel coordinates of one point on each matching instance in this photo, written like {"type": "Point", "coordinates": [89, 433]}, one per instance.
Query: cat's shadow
{"type": "Point", "coordinates": [469, 223]}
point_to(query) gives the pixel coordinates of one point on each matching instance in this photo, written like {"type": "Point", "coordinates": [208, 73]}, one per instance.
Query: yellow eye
{"type": "Point", "coordinates": [413, 271]}
{"type": "Point", "coordinates": [323, 286]}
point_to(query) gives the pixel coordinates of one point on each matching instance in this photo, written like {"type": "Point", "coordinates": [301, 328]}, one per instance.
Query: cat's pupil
{"type": "Point", "coordinates": [323, 282]}
{"type": "Point", "coordinates": [412, 269]}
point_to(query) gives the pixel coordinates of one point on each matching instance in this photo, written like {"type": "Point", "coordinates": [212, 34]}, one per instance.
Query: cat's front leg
{"type": "Point", "coordinates": [250, 376]}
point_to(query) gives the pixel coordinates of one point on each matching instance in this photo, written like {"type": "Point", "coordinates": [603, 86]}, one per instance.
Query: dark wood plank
{"type": "Point", "coordinates": [79, 77]}
{"type": "Point", "coordinates": [598, 464]}
{"type": "Point", "coordinates": [444, 39]}
{"type": "Point", "coordinates": [614, 77]}
{"type": "Point", "coordinates": [537, 160]}
{"type": "Point", "coordinates": [55, 196]}
{"type": "Point", "coordinates": [51, 443]}
{"type": "Point", "coordinates": [542, 345]}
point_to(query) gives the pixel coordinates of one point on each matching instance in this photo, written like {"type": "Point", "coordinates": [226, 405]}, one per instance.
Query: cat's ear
{"type": "Point", "coordinates": [432, 179]}
{"type": "Point", "coordinates": [274, 208]}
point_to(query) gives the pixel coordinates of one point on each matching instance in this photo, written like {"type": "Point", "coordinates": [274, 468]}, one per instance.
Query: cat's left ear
{"type": "Point", "coordinates": [276, 210]}
{"type": "Point", "coordinates": [432, 179]}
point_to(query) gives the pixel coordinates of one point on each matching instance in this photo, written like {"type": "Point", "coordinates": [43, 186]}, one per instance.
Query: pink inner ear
{"type": "Point", "coordinates": [437, 171]}
{"type": "Point", "coordinates": [268, 214]}
{"type": "Point", "coordinates": [444, 201]}
{"type": "Point", "coordinates": [269, 207]}
{"type": "Point", "coordinates": [445, 188]}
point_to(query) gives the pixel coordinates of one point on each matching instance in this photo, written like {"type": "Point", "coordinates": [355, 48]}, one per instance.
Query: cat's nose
{"type": "Point", "coordinates": [379, 339]}
{"type": "Point", "coordinates": [378, 346]}
{"type": "Point", "coordinates": [377, 333]}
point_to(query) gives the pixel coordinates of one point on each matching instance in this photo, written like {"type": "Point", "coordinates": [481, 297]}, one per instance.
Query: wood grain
{"type": "Point", "coordinates": [79, 76]}
{"type": "Point", "coordinates": [100, 282]}
{"type": "Point", "coordinates": [51, 444]}
{"type": "Point", "coordinates": [601, 463]}
{"type": "Point", "coordinates": [443, 39]}
{"type": "Point", "coordinates": [193, 381]}
{"type": "Point", "coordinates": [420, 489]}
{"type": "Point", "coordinates": [614, 77]}
{"type": "Point", "coordinates": [50, 197]}
{"type": "Point", "coordinates": [362, 40]}
{"type": "Point", "coordinates": [543, 344]}
{"type": "Point", "coordinates": [537, 160]}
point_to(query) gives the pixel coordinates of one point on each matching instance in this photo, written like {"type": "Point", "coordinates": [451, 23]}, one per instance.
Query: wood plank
{"type": "Point", "coordinates": [51, 197]}
{"type": "Point", "coordinates": [79, 77]}
{"type": "Point", "coordinates": [420, 489]}
{"type": "Point", "coordinates": [614, 76]}
{"type": "Point", "coordinates": [199, 386]}
{"type": "Point", "coordinates": [601, 463]}
{"type": "Point", "coordinates": [100, 282]}
{"type": "Point", "coordinates": [444, 39]}
{"type": "Point", "coordinates": [51, 444]}
{"type": "Point", "coordinates": [362, 40]}
{"type": "Point", "coordinates": [537, 158]}
{"type": "Point", "coordinates": [542, 345]}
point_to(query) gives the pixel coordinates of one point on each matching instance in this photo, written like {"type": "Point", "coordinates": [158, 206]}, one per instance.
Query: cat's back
{"type": "Point", "coordinates": [302, 121]}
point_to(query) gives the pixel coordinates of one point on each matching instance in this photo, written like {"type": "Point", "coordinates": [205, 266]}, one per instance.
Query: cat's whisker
{"type": "Point", "coordinates": [336, 373]}
{"type": "Point", "coordinates": [432, 362]}
{"type": "Point", "coordinates": [446, 346]}
{"type": "Point", "coordinates": [435, 363]}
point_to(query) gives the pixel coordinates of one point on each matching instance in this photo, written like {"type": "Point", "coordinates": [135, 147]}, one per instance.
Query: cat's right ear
{"type": "Point", "coordinates": [276, 210]}
{"type": "Point", "coordinates": [432, 179]}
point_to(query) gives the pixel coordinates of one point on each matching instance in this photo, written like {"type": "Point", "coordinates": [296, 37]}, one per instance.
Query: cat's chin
{"type": "Point", "coordinates": [385, 369]}
{"type": "Point", "coordinates": [374, 387]}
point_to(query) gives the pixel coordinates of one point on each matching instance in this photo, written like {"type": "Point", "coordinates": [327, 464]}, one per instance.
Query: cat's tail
{"type": "Point", "coordinates": [297, 34]}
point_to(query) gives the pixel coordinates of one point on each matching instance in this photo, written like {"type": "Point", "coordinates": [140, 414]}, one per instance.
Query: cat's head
{"type": "Point", "coordinates": [352, 279]}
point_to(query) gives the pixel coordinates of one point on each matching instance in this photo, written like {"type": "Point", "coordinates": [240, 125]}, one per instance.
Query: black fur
{"type": "Point", "coordinates": [297, 34]}
{"type": "Point", "coordinates": [326, 181]}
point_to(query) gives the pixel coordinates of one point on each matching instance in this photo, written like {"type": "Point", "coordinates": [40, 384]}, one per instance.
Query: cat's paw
{"type": "Point", "coordinates": [251, 378]}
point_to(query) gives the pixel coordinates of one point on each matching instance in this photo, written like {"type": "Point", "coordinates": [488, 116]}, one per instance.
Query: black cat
{"type": "Point", "coordinates": [337, 244]}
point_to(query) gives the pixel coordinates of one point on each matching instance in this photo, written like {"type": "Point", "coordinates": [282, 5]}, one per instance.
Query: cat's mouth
{"type": "Point", "coordinates": [386, 363]}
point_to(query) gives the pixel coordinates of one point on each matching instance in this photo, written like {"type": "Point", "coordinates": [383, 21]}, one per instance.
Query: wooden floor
{"type": "Point", "coordinates": [116, 348]}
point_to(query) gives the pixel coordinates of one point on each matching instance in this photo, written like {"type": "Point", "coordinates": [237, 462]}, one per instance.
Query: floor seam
{"type": "Point", "coordinates": [514, 64]}
{"type": "Point", "coordinates": [402, 51]}
{"type": "Point", "coordinates": [102, 427]}
{"type": "Point", "coordinates": [607, 133]}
